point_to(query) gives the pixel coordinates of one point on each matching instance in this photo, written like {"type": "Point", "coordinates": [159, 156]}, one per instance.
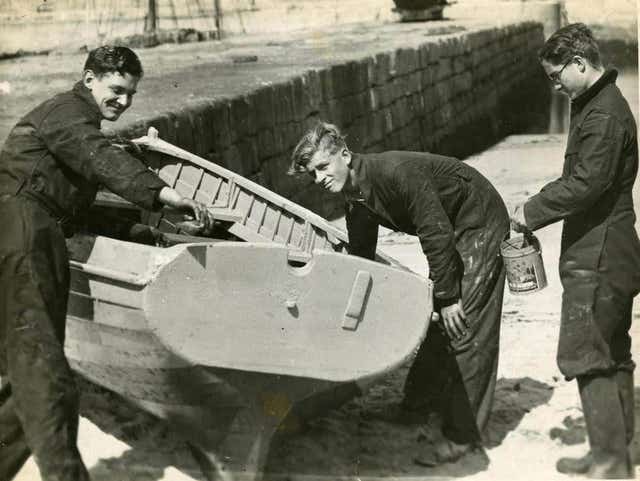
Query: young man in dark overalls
{"type": "Point", "coordinates": [600, 253]}
{"type": "Point", "coordinates": [51, 166]}
{"type": "Point", "coordinates": [460, 221]}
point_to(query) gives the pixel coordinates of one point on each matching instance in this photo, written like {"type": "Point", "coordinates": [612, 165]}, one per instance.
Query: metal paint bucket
{"type": "Point", "coordinates": [523, 261]}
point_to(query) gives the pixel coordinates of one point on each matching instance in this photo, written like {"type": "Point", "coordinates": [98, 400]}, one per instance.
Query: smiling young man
{"type": "Point", "coordinates": [460, 221]}
{"type": "Point", "coordinates": [600, 252]}
{"type": "Point", "coordinates": [51, 166]}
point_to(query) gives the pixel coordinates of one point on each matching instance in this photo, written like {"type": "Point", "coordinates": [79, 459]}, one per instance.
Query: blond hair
{"type": "Point", "coordinates": [323, 136]}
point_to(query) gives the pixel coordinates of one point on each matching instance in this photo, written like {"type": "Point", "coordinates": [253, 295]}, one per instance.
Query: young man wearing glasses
{"type": "Point", "coordinates": [600, 252]}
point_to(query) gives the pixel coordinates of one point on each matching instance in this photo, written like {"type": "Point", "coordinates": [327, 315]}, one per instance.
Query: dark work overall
{"type": "Point", "coordinates": [50, 168]}
{"type": "Point", "coordinates": [599, 260]}
{"type": "Point", "coordinates": [38, 400]}
{"type": "Point", "coordinates": [460, 221]}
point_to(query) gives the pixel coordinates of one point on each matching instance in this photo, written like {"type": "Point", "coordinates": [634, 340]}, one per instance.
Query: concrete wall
{"type": "Point", "coordinates": [452, 94]}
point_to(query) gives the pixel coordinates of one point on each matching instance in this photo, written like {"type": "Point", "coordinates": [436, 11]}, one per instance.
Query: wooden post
{"type": "Point", "coordinates": [218, 17]}
{"type": "Point", "coordinates": [152, 18]}
{"type": "Point", "coordinates": [559, 111]}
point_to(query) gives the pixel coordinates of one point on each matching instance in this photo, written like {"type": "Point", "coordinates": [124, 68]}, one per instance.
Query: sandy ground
{"type": "Point", "coordinates": [535, 420]}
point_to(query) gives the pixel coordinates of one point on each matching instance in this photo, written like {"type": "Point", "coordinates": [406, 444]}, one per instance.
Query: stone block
{"type": "Point", "coordinates": [266, 144]}
{"type": "Point", "coordinates": [326, 84]}
{"type": "Point", "coordinates": [280, 139]}
{"type": "Point", "coordinates": [313, 90]}
{"type": "Point", "coordinates": [399, 88]}
{"type": "Point", "coordinates": [444, 90]}
{"type": "Point", "coordinates": [221, 125]}
{"type": "Point", "coordinates": [426, 55]}
{"type": "Point", "coordinates": [385, 93]}
{"type": "Point", "coordinates": [459, 64]}
{"type": "Point", "coordinates": [233, 159]}
{"type": "Point", "coordinates": [283, 103]}
{"type": "Point", "coordinates": [382, 69]}
{"type": "Point", "coordinates": [416, 105]}
{"type": "Point", "coordinates": [242, 118]}
{"type": "Point", "coordinates": [249, 159]}
{"type": "Point", "coordinates": [362, 70]}
{"type": "Point", "coordinates": [414, 82]}
{"type": "Point", "coordinates": [445, 69]}
{"type": "Point", "coordinates": [293, 136]}
{"type": "Point", "coordinates": [370, 65]}
{"type": "Point", "coordinates": [400, 112]}
{"type": "Point", "coordinates": [335, 112]}
{"type": "Point", "coordinates": [300, 103]}
{"type": "Point", "coordinates": [388, 120]}
{"type": "Point", "coordinates": [346, 79]}
{"type": "Point", "coordinates": [357, 134]}
{"type": "Point", "coordinates": [428, 76]}
{"type": "Point", "coordinates": [202, 142]}
{"type": "Point", "coordinates": [375, 102]}
{"type": "Point", "coordinates": [184, 130]}
{"type": "Point", "coordinates": [262, 101]}
{"type": "Point", "coordinates": [430, 100]}
{"type": "Point", "coordinates": [406, 61]}
{"type": "Point", "coordinates": [376, 126]}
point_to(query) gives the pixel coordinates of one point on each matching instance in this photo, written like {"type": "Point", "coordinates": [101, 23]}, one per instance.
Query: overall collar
{"type": "Point", "coordinates": [608, 77]}
{"type": "Point", "coordinates": [81, 91]}
{"type": "Point", "coordinates": [363, 185]}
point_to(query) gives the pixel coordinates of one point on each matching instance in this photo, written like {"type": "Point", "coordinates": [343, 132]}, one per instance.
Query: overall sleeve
{"type": "Point", "coordinates": [600, 146]}
{"type": "Point", "coordinates": [75, 141]}
{"type": "Point", "coordinates": [362, 229]}
{"type": "Point", "coordinates": [435, 232]}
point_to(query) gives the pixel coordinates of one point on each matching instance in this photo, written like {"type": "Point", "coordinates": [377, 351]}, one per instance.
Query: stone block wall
{"type": "Point", "coordinates": [452, 94]}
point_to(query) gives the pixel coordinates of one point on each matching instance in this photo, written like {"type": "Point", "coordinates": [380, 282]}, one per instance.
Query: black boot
{"type": "Point", "coordinates": [603, 413]}
{"type": "Point", "coordinates": [575, 465]}
{"type": "Point", "coordinates": [624, 379]}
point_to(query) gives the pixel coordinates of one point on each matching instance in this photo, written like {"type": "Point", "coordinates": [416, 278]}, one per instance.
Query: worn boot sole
{"type": "Point", "coordinates": [575, 465]}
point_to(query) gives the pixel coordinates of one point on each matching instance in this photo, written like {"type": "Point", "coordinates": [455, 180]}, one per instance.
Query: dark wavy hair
{"type": "Point", "coordinates": [323, 136]}
{"type": "Point", "coordinates": [569, 41]}
{"type": "Point", "coordinates": [109, 59]}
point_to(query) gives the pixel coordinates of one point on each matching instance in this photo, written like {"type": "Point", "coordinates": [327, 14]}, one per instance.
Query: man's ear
{"type": "Point", "coordinates": [346, 155]}
{"type": "Point", "coordinates": [87, 78]}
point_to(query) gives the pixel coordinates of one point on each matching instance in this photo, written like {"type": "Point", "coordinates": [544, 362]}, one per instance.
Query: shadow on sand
{"type": "Point", "coordinates": [350, 442]}
{"type": "Point", "coordinates": [155, 446]}
{"type": "Point", "coordinates": [344, 442]}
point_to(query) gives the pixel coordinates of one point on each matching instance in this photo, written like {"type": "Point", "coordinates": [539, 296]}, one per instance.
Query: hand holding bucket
{"type": "Point", "coordinates": [522, 258]}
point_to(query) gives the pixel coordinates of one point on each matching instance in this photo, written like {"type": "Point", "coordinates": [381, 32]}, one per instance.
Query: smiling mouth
{"type": "Point", "coordinates": [116, 108]}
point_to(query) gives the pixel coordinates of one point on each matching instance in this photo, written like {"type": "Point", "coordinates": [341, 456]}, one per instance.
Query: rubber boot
{"type": "Point", "coordinates": [575, 465]}
{"type": "Point", "coordinates": [604, 417]}
{"type": "Point", "coordinates": [624, 379]}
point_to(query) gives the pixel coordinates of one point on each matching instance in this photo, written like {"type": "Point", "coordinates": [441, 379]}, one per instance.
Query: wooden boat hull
{"type": "Point", "coordinates": [233, 341]}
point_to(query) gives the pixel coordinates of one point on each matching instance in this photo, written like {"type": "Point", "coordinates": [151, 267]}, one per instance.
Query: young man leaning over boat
{"type": "Point", "coordinates": [600, 252]}
{"type": "Point", "coordinates": [460, 221]}
{"type": "Point", "coordinates": [50, 168]}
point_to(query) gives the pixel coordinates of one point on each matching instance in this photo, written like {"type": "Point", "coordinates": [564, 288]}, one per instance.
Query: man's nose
{"type": "Point", "coordinates": [319, 177]}
{"type": "Point", "coordinates": [557, 86]}
{"type": "Point", "coordinates": [124, 100]}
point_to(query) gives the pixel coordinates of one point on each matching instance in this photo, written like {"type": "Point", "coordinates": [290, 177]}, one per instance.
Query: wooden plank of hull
{"type": "Point", "coordinates": [84, 306]}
